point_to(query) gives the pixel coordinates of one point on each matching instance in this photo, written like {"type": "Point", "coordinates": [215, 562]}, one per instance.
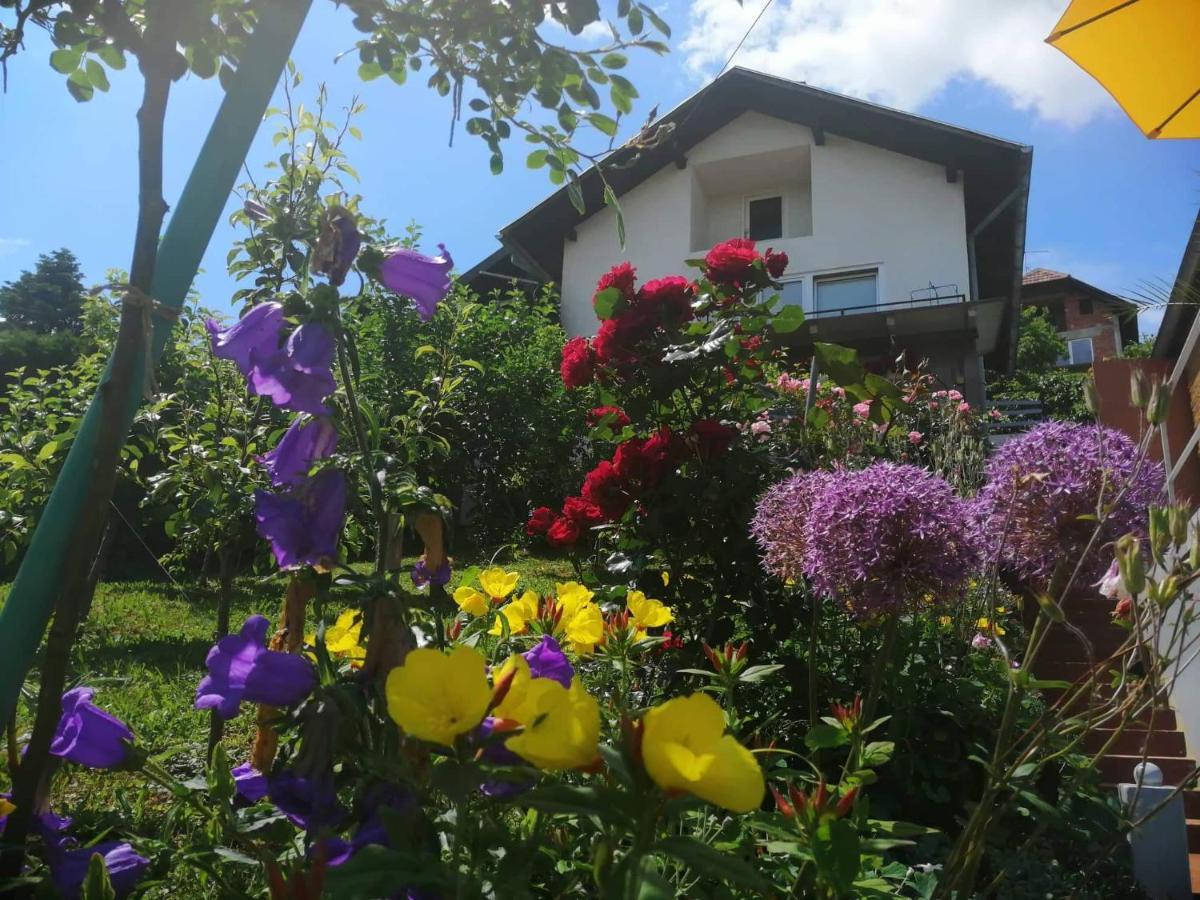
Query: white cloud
{"type": "Point", "coordinates": [901, 52]}
{"type": "Point", "coordinates": [12, 245]}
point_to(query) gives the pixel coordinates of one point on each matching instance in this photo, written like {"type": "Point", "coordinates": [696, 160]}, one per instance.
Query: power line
{"type": "Point", "coordinates": [753, 24]}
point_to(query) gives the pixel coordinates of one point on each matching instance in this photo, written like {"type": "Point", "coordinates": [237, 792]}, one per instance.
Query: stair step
{"type": "Point", "coordinates": [1191, 804]}
{"type": "Point", "coordinates": [1194, 868]}
{"type": "Point", "coordinates": [1193, 833]}
{"type": "Point", "coordinates": [1118, 768]}
{"type": "Point", "coordinates": [1135, 741]}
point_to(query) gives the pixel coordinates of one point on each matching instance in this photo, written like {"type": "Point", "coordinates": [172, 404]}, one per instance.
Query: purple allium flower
{"type": "Point", "coordinates": [250, 784]}
{"type": "Point", "coordinates": [309, 803]}
{"type": "Point", "coordinates": [241, 668]}
{"type": "Point", "coordinates": [426, 279]}
{"type": "Point", "coordinates": [337, 245]}
{"type": "Point", "coordinates": [303, 524]}
{"type": "Point", "coordinates": [546, 660]}
{"type": "Point", "coordinates": [780, 520]}
{"type": "Point", "coordinates": [299, 375]}
{"type": "Point", "coordinates": [87, 734]}
{"type": "Point", "coordinates": [301, 445]}
{"type": "Point", "coordinates": [255, 334]}
{"type": "Point", "coordinates": [1040, 484]}
{"type": "Point", "coordinates": [421, 575]}
{"type": "Point", "coordinates": [885, 535]}
{"type": "Point", "coordinates": [68, 868]}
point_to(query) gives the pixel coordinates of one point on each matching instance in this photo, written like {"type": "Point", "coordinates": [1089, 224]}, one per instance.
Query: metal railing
{"type": "Point", "coordinates": [911, 303]}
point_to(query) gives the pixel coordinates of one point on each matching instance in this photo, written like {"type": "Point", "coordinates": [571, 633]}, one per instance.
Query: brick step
{"type": "Point", "coordinates": [1100, 693]}
{"type": "Point", "coordinates": [1132, 741]}
{"type": "Point", "coordinates": [1194, 867]}
{"type": "Point", "coordinates": [1118, 768]}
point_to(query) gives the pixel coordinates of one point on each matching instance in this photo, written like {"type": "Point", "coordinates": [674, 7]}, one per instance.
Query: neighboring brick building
{"type": "Point", "coordinates": [1095, 324]}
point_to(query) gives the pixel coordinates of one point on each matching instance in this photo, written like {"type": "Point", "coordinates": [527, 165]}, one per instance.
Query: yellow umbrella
{"type": "Point", "coordinates": [1146, 53]}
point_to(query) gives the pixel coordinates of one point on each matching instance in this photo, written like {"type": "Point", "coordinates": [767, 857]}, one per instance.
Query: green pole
{"type": "Point", "coordinates": [34, 592]}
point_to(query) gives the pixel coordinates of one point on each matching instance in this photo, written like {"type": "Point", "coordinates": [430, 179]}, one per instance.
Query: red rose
{"type": "Point", "coordinates": [604, 487]}
{"type": "Point", "coordinates": [578, 365]}
{"type": "Point", "coordinates": [662, 449]}
{"type": "Point", "coordinates": [776, 263]}
{"type": "Point", "coordinates": [582, 512]}
{"type": "Point", "coordinates": [751, 343]}
{"type": "Point", "coordinates": [616, 342]}
{"type": "Point", "coordinates": [629, 461]}
{"type": "Point", "coordinates": [563, 532]}
{"type": "Point", "coordinates": [670, 298]}
{"type": "Point", "coordinates": [619, 419]}
{"type": "Point", "coordinates": [711, 438]}
{"type": "Point", "coordinates": [539, 521]}
{"type": "Point", "coordinates": [730, 262]}
{"type": "Point", "coordinates": [621, 276]}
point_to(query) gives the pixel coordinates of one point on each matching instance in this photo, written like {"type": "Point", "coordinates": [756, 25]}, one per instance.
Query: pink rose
{"type": "Point", "coordinates": [964, 407]}
{"type": "Point", "coordinates": [915, 437]}
{"type": "Point", "coordinates": [862, 410]}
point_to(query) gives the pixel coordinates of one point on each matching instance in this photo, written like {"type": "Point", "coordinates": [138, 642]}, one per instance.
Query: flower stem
{"type": "Point", "coordinates": [360, 438]}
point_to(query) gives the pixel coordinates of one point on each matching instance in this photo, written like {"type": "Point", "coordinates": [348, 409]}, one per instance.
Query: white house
{"type": "Point", "coordinates": [903, 234]}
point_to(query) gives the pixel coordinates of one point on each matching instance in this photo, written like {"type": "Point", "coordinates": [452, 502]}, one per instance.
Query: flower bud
{"type": "Point", "coordinates": [798, 798]}
{"type": "Point", "coordinates": [846, 802]}
{"type": "Point", "coordinates": [1137, 389]}
{"type": "Point", "coordinates": [1178, 518]}
{"type": "Point", "coordinates": [1129, 562]}
{"type": "Point", "coordinates": [1160, 533]}
{"type": "Point", "coordinates": [1160, 400]}
{"type": "Point", "coordinates": [781, 803]}
{"type": "Point", "coordinates": [1194, 554]}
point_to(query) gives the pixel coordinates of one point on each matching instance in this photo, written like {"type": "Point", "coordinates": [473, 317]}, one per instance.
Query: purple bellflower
{"type": "Point", "coordinates": [255, 334]}
{"type": "Point", "coordinates": [250, 784]}
{"type": "Point", "coordinates": [299, 375]}
{"type": "Point", "coordinates": [241, 668]}
{"type": "Point", "coordinates": [303, 524]}
{"type": "Point", "coordinates": [426, 279]}
{"type": "Point", "coordinates": [422, 575]}
{"type": "Point", "coordinates": [301, 445]}
{"type": "Point", "coordinates": [68, 868]}
{"type": "Point", "coordinates": [371, 829]}
{"type": "Point", "coordinates": [87, 734]}
{"type": "Point", "coordinates": [546, 660]}
{"type": "Point", "coordinates": [308, 803]}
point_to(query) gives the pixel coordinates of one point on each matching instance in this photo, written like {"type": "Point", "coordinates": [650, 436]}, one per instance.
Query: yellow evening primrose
{"type": "Point", "coordinates": [685, 748]}
{"type": "Point", "coordinates": [666, 578]}
{"type": "Point", "coordinates": [436, 696]}
{"type": "Point", "coordinates": [945, 621]}
{"type": "Point", "coordinates": [6, 808]}
{"type": "Point", "coordinates": [560, 726]}
{"type": "Point", "coordinates": [571, 595]}
{"type": "Point", "coordinates": [647, 613]}
{"type": "Point", "coordinates": [518, 613]}
{"type": "Point", "coordinates": [471, 601]}
{"type": "Point", "coordinates": [497, 583]}
{"type": "Point", "coordinates": [583, 628]}
{"type": "Point", "coordinates": [985, 624]}
{"type": "Point", "coordinates": [343, 636]}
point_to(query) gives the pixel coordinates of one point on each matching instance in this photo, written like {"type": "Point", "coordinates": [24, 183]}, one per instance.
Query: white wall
{"type": "Point", "coordinates": [870, 207]}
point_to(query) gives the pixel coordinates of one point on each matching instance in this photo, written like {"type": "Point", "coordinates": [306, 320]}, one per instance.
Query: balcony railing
{"type": "Point", "coordinates": [911, 303]}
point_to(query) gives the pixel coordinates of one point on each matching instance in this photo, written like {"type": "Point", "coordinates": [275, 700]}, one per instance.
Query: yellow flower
{"type": "Point", "coordinates": [571, 595]}
{"type": "Point", "coordinates": [518, 613]}
{"type": "Point", "coordinates": [497, 583]}
{"type": "Point", "coordinates": [666, 578]}
{"type": "Point", "coordinates": [435, 696]}
{"type": "Point", "coordinates": [560, 726]}
{"type": "Point", "coordinates": [685, 748]}
{"type": "Point", "coordinates": [584, 628]}
{"type": "Point", "coordinates": [945, 621]}
{"type": "Point", "coordinates": [471, 601]}
{"type": "Point", "coordinates": [6, 808]}
{"type": "Point", "coordinates": [984, 624]}
{"type": "Point", "coordinates": [647, 613]}
{"type": "Point", "coordinates": [343, 636]}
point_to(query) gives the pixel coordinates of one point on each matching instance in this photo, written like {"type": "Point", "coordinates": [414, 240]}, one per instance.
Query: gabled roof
{"type": "Point", "coordinates": [1183, 302]}
{"type": "Point", "coordinates": [1042, 283]}
{"type": "Point", "coordinates": [992, 167]}
{"type": "Point", "coordinates": [1036, 276]}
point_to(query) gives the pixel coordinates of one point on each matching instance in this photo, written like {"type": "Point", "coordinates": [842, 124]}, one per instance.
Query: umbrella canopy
{"type": "Point", "coordinates": [1146, 53]}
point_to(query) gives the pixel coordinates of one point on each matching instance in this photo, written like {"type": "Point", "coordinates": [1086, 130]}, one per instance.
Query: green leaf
{"type": "Point", "coordinates": [614, 60]}
{"type": "Point", "coordinates": [610, 199]}
{"type": "Point", "coordinates": [97, 886]}
{"type": "Point", "coordinates": [496, 163]}
{"type": "Point", "coordinates": [47, 451]}
{"type": "Point", "coordinates": [605, 302]}
{"type": "Point", "coordinates": [705, 860]}
{"type": "Point", "coordinates": [603, 123]}
{"type": "Point", "coordinates": [877, 753]}
{"type": "Point", "coordinates": [15, 461]}
{"type": "Point", "coordinates": [96, 75]}
{"type": "Point", "coordinates": [66, 59]}
{"type": "Point", "coordinates": [377, 871]}
{"type": "Point", "coordinates": [823, 737]}
{"type": "Point", "coordinates": [575, 193]}
{"type": "Point", "coordinates": [758, 673]}
{"type": "Point", "coordinates": [112, 56]}
{"type": "Point", "coordinates": [80, 86]}
{"type": "Point", "coordinates": [536, 159]}
{"type": "Point", "coordinates": [787, 320]}
{"type": "Point", "coordinates": [636, 23]}
{"type": "Point", "coordinates": [663, 28]}
{"type": "Point", "coordinates": [370, 71]}
{"type": "Point", "coordinates": [839, 363]}
{"type": "Point", "coordinates": [835, 848]}
{"type": "Point", "coordinates": [652, 885]}
{"type": "Point", "coordinates": [573, 800]}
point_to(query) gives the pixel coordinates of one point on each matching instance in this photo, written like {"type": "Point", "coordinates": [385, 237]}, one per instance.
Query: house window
{"type": "Point", "coordinates": [764, 218]}
{"type": "Point", "coordinates": [846, 290]}
{"type": "Point", "coordinates": [792, 292]}
{"type": "Point", "coordinates": [1080, 350]}
{"type": "Point", "coordinates": [1085, 306]}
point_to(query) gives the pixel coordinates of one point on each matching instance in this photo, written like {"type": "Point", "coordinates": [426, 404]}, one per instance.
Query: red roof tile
{"type": "Point", "coordinates": [1034, 276]}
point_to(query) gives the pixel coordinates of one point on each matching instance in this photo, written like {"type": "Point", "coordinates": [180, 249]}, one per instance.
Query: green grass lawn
{"type": "Point", "coordinates": [143, 649]}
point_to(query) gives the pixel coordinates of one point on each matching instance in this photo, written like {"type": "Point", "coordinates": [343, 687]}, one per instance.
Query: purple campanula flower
{"type": "Point", "coordinates": [299, 375]}
{"type": "Point", "coordinates": [496, 752]}
{"type": "Point", "coordinates": [68, 868]}
{"type": "Point", "coordinates": [303, 524]}
{"type": "Point", "coordinates": [426, 279]}
{"type": "Point", "coordinates": [303, 444]}
{"type": "Point", "coordinates": [337, 245]}
{"type": "Point", "coordinates": [546, 660]}
{"type": "Point", "coordinates": [87, 734]}
{"type": "Point", "coordinates": [371, 829]}
{"type": "Point", "coordinates": [421, 574]}
{"type": "Point", "coordinates": [308, 803]}
{"type": "Point", "coordinates": [256, 334]}
{"type": "Point", "coordinates": [250, 784]}
{"type": "Point", "coordinates": [241, 668]}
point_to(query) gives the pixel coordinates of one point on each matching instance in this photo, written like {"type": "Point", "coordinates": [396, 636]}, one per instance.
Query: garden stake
{"type": "Point", "coordinates": [289, 638]}
{"type": "Point", "coordinates": [69, 519]}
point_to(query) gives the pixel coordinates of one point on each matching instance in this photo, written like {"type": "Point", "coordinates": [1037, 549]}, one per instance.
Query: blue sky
{"type": "Point", "coordinates": [1107, 205]}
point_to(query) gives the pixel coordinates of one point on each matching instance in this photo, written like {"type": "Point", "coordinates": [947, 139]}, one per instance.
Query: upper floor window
{"type": "Point", "coordinates": [1085, 306]}
{"type": "Point", "coordinates": [1080, 351]}
{"type": "Point", "coordinates": [764, 218]}
{"type": "Point", "coordinates": [846, 290]}
{"type": "Point", "coordinates": [791, 292]}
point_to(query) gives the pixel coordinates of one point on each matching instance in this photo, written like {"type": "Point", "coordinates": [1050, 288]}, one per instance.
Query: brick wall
{"type": "Point", "coordinates": [1100, 325]}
